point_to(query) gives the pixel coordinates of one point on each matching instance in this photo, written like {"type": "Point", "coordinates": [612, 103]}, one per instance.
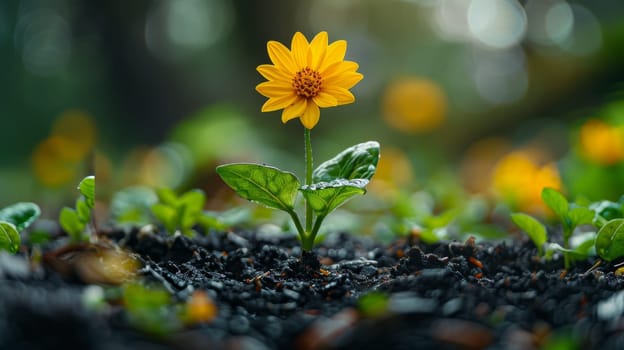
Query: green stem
{"type": "Point", "coordinates": [308, 173]}
{"type": "Point", "coordinates": [307, 242]}
{"type": "Point", "coordinates": [317, 226]}
{"type": "Point", "coordinates": [295, 219]}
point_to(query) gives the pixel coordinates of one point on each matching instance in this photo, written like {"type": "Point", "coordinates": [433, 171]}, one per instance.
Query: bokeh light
{"type": "Point", "coordinates": [414, 105]}
{"type": "Point", "coordinates": [519, 177]}
{"type": "Point", "coordinates": [60, 158]}
{"type": "Point", "coordinates": [44, 39]}
{"type": "Point", "coordinates": [498, 24]}
{"type": "Point", "coordinates": [176, 28]}
{"type": "Point", "coordinates": [601, 143]}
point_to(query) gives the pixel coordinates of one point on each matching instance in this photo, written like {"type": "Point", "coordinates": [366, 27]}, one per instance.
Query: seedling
{"type": "Point", "coordinates": [132, 206]}
{"type": "Point", "coordinates": [302, 79]}
{"type": "Point", "coordinates": [76, 222]}
{"type": "Point", "coordinates": [179, 214]}
{"type": "Point", "coordinates": [13, 220]}
{"type": "Point", "coordinates": [571, 216]}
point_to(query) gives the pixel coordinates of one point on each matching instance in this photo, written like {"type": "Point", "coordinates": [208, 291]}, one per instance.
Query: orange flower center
{"type": "Point", "coordinates": [307, 82]}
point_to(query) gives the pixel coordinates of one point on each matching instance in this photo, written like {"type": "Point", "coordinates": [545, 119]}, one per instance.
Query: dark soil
{"type": "Point", "coordinates": [452, 295]}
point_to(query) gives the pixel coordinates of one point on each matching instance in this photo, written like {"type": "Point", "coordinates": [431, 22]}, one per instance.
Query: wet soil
{"type": "Point", "coordinates": [450, 295]}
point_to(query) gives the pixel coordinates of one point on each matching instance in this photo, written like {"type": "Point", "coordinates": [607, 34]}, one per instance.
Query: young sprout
{"type": "Point", "coordinates": [179, 214]}
{"type": "Point", "coordinates": [76, 221]}
{"type": "Point", "coordinates": [570, 215]}
{"type": "Point", "coordinates": [309, 76]}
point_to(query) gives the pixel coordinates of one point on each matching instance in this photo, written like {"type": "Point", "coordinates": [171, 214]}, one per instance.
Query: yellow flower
{"type": "Point", "coordinates": [601, 142]}
{"type": "Point", "coordinates": [308, 76]}
{"type": "Point", "coordinates": [519, 179]}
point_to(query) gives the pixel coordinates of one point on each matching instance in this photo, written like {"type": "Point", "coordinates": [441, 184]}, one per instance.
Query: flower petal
{"type": "Point", "coordinates": [338, 68]}
{"type": "Point", "coordinates": [274, 89]}
{"type": "Point", "coordinates": [299, 49]}
{"type": "Point", "coordinates": [342, 95]}
{"type": "Point", "coordinates": [271, 72]}
{"type": "Point", "coordinates": [345, 80]}
{"type": "Point", "coordinates": [281, 56]}
{"type": "Point", "coordinates": [316, 52]}
{"type": "Point", "coordinates": [275, 103]}
{"type": "Point", "coordinates": [324, 99]}
{"type": "Point", "coordinates": [335, 53]}
{"type": "Point", "coordinates": [311, 116]}
{"type": "Point", "coordinates": [295, 110]}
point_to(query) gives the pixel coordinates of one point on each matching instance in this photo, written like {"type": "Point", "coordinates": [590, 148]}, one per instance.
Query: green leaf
{"type": "Point", "coordinates": [555, 201]}
{"type": "Point", "coordinates": [83, 210]}
{"type": "Point", "coordinates": [191, 205]}
{"type": "Point", "coordinates": [607, 210]}
{"type": "Point", "coordinates": [87, 189]}
{"type": "Point", "coordinates": [610, 240]}
{"type": "Point", "coordinates": [324, 197]}
{"type": "Point", "coordinates": [262, 184]}
{"type": "Point", "coordinates": [442, 220]}
{"type": "Point", "coordinates": [20, 214]}
{"type": "Point", "coordinates": [167, 215]}
{"type": "Point", "coordinates": [10, 239]}
{"type": "Point", "coordinates": [167, 196]}
{"type": "Point", "coordinates": [581, 216]}
{"type": "Point", "coordinates": [70, 222]}
{"type": "Point", "coordinates": [534, 229]}
{"type": "Point", "coordinates": [356, 162]}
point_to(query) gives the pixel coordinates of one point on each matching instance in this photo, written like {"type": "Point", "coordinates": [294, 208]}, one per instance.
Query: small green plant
{"type": "Point", "coordinates": [132, 206]}
{"type": "Point", "coordinates": [179, 214]}
{"type": "Point", "coordinates": [302, 79]}
{"type": "Point", "coordinates": [13, 220]}
{"type": "Point", "coordinates": [570, 215]}
{"type": "Point", "coordinates": [78, 222]}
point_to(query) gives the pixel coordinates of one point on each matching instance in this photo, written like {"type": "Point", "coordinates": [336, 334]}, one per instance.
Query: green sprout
{"type": "Point", "coordinates": [77, 221]}
{"type": "Point", "coordinates": [331, 185]}
{"type": "Point", "coordinates": [300, 82]}
{"type": "Point", "coordinates": [179, 214]}
{"type": "Point", "coordinates": [13, 220]}
{"type": "Point", "coordinates": [571, 216]}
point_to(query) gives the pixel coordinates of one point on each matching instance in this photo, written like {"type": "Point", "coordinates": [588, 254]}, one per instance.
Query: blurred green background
{"type": "Point", "coordinates": [474, 96]}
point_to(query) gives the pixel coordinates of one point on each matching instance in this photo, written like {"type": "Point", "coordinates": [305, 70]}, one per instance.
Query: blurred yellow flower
{"type": "Point", "coordinates": [308, 76]}
{"type": "Point", "coordinates": [414, 105]}
{"type": "Point", "coordinates": [601, 143]}
{"type": "Point", "coordinates": [57, 160]}
{"type": "Point", "coordinates": [519, 179]}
